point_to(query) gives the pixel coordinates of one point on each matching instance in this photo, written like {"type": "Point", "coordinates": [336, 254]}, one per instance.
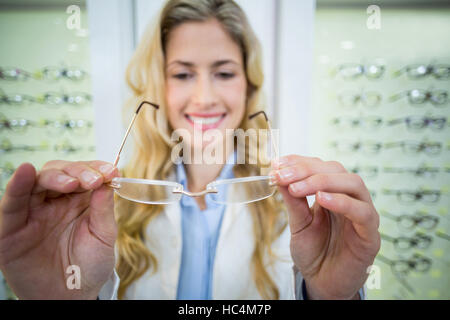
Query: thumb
{"type": "Point", "coordinates": [298, 208]}
{"type": "Point", "coordinates": [101, 216]}
{"type": "Point", "coordinates": [15, 201]}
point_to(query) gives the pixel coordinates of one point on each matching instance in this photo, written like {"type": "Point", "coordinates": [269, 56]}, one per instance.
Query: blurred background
{"type": "Point", "coordinates": [363, 83]}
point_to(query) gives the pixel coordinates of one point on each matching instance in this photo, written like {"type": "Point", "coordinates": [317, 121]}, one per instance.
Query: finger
{"type": "Point", "coordinates": [106, 169]}
{"type": "Point", "coordinates": [101, 220]}
{"type": "Point", "coordinates": [295, 159]}
{"type": "Point", "coordinates": [55, 181]}
{"type": "Point", "coordinates": [363, 215]}
{"type": "Point", "coordinates": [15, 201]}
{"type": "Point", "coordinates": [299, 212]}
{"type": "Point", "coordinates": [301, 168]}
{"type": "Point", "coordinates": [348, 183]}
{"type": "Point", "coordinates": [51, 178]}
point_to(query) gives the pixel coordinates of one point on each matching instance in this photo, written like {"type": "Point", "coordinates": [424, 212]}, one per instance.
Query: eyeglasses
{"type": "Point", "coordinates": [351, 71]}
{"type": "Point", "coordinates": [15, 99]}
{"type": "Point", "coordinates": [366, 98]}
{"type": "Point", "coordinates": [408, 222]}
{"type": "Point", "coordinates": [419, 241]}
{"type": "Point", "coordinates": [78, 127]}
{"type": "Point", "coordinates": [6, 146]}
{"type": "Point", "coordinates": [369, 122]}
{"type": "Point", "coordinates": [430, 148]}
{"type": "Point", "coordinates": [418, 97]}
{"type": "Point", "coordinates": [66, 147]}
{"type": "Point", "coordinates": [416, 263]}
{"type": "Point", "coordinates": [57, 99]}
{"type": "Point", "coordinates": [410, 196]}
{"type": "Point", "coordinates": [443, 235]}
{"type": "Point", "coordinates": [416, 123]}
{"type": "Point", "coordinates": [368, 147]}
{"type": "Point", "coordinates": [422, 170]}
{"type": "Point", "coordinates": [58, 73]}
{"type": "Point", "coordinates": [419, 71]}
{"type": "Point", "coordinates": [244, 190]}
{"type": "Point", "coordinates": [366, 171]}
{"type": "Point", "coordinates": [15, 125]}
{"type": "Point", "coordinates": [47, 73]}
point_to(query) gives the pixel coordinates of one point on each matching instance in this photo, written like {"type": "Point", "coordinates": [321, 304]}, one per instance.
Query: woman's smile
{"type": "Point", "coordinates": [205, 121]}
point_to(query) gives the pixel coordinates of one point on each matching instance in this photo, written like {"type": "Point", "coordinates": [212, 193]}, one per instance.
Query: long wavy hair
{"type": "Point", "coordinates": [151, 156]}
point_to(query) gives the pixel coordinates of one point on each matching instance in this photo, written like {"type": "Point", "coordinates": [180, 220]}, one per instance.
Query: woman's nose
{"type": "Point", "coordinates": [204, 95]}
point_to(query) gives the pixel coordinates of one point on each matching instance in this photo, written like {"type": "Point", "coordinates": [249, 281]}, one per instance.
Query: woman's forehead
{"type": "Point", "coordinates": [201, 43]}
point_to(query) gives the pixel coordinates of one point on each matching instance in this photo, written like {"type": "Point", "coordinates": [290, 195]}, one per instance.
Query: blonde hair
{"type": "Point", "coordinates": [145, 77]}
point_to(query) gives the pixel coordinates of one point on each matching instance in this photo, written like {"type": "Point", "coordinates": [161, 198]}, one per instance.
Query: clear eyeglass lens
{"type": "Point", "coordinates": [242, 190]}
{"type": "Point", "coordinates": [149, 193]}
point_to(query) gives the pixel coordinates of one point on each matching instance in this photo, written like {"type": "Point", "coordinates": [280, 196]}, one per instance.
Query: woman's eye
{"type": "Point", "coordinates": [182, 76]}
{"type": "Point", "coordinates": [225, 75]}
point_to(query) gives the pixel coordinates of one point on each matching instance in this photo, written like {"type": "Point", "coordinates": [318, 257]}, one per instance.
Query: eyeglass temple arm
{"type": "Point", "coordinates": [274, 144]}
{"type": "Point", "coordinates": [129, 128]}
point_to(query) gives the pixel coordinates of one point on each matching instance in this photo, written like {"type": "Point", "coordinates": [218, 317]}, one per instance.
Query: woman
{"type": "Point", "coordinates": [201, 63]}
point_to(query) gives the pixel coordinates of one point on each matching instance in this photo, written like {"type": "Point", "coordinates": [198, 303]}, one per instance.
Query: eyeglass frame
{"type": "Point", "coordinates": [182, 191]}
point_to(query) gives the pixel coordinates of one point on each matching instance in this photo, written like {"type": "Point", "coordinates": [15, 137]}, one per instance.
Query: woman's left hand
{"type": "Point", "coordinates": [336, 240]}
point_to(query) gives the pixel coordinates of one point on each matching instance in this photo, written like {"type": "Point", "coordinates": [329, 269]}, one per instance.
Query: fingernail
{"type": "Point", "coordinates": [278, 163]}
{"type": "Point", "coordinates": [273, 178]}
{"type": "Point", "coordinates": [106, 169]}
{"type": "Point", "coordinates": [325, 196]}
{"type": "Point", "coordinates": [63, 179]}
{"type": "Point", "coordinates": [89, 177]}
{"type": "Point", "coordinates": [297, 186]}
{"type": "Point", "coordinates": [286, 173]}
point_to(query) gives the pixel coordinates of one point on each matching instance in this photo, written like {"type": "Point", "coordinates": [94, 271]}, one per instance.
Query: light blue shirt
{"type": "Point", "coordinates": [200, 232]}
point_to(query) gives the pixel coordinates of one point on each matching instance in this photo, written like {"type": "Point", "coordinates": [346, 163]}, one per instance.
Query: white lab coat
{"type": "Point", "coordinates": [232, 274]}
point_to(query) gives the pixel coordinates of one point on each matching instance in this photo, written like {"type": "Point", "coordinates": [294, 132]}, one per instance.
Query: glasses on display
{"type": "Point", "coordinates": [368, 122]}
{"type": "Point", "coordinates": [408, 222]}
{"type": "Point", "coordinates": [366, 171]}
{"type": "Point", "coordinates": [15, 99]}
{"type": "Point", "coordinates": [418, 241]}
{"type": "Point", "coordinates": [244, 190]}
{"type": "Point", "coordinates": [66, 147]}
{"type": "Point", "coordinates": [14, 125]}
{"type": "Point", "coordinates": [58, 73]}
{"type": "Point", "coordinates": [418, 123]}
{"type": "Point", "coordinates": [416, 263]}
{"type": "Point", "coordinates": [352, 71]}
{"type": "Point", "coordinates": [53, 99]}
{"type": "Point", "coordinates": [411, 196]}
{"type": "Point", "coordinates": [366, 98]}
{"type": "Point", "coordinates": [6, 146]}
{"type": "Point", "coordinates": [420, 171]}
{"type": "Point", "coordinates": [7, 169]}
{"type": "Point", "coordinates": [430, 148]}
{"type": "Point", "coordinates": [443, 235]}
{"type": "Point", "coordinates": [57, 99]}
{"type": "Point", "coordinates": [420, 71]}
{"type": "Point", "coordinates": [418, 97]}
{"type": "Point", "coordinates": [14, 74]}
{"type": "Point", "coordinates": [73, 126]}
{"type": "Point", "coordinates": [47, 73]}
{"type": "Point", "coordinates": [368, 147]}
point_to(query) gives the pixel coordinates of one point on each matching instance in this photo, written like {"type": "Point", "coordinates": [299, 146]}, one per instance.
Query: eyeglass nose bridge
{"type": "Point", "coordinates": [195, 194]}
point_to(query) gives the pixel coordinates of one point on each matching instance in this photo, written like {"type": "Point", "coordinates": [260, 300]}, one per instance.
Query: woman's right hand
{"type": "Point", "coordinates": [59, 217]}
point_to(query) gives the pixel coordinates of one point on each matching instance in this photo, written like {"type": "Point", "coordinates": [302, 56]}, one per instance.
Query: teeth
{"type": "Point", "coordinates": [202, 121]}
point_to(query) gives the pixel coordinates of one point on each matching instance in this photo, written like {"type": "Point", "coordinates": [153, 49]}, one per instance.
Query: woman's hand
{"type": "Point", "coordinates": [336, 240]}
{"type": "Point", "coordinates": [61, 216]}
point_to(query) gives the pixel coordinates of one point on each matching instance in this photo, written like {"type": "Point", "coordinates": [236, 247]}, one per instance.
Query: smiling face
{"type": "Point", "coordinates": [206, 84]}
